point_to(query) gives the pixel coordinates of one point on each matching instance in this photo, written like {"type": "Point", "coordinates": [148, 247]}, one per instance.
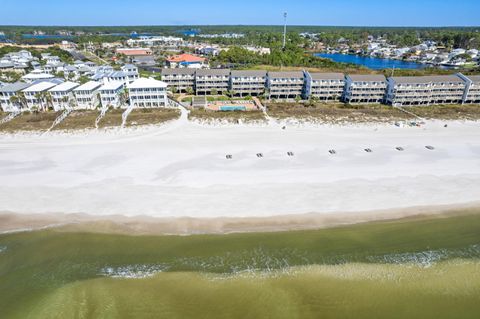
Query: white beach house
{"type": "Point", "coordinates": [7, 92]}
{"type": "Point", "coordinates": [148, 93]}
{"type": "Point", "coordinates": [37, 96]}
{"type": "Point", "coordinates": [370, 88]}
{"type": "Point", "coordinates": [110, 94]}
{"type": "Point", "coordinates": [86, 95]}
{"type": "Point", "coordinates": [62, 95]}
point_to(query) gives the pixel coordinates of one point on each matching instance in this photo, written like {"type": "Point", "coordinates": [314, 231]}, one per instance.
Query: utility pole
{"type": "Point", "coordinates": [284, 30]}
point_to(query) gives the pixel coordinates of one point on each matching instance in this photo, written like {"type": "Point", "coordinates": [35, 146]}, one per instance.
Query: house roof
{"type": "Point", "coordinates": [249, 73]}
{"type": "Point", "coordinates": [185, 57]}
{"type": "Point", "coordinates": [64, 87]}
{"type": "Point", "coordinates": [142, 83]}
{"type": "Point", "coordinates": [207, 72]}
{"type": "Point", "coordinates": [112, 85]}
{"type": "Point", "coordinates": [428, 79]}
{"type": "Point", "coordinates": [327, 76]}
{"type": "Point", "coordinates": [40, 87]}
{"type": "Point", "coordinates": [183, 71]}
{"type": "Point", "coordinates": [89, 86]}
{"type": "Point", "coordinates": [474, 78]}
{"type": "Point", "coordinates": [14, 87]}
{"type": "Point", "coordinates": [367, 77]}
{"type": "Point", "coordinates": [282, 75]}
{"type": "Point", "coordinates": [33, 76]}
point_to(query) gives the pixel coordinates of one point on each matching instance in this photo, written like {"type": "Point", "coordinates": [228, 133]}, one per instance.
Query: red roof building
{"type": "Point", "coordinates": [184, 60]}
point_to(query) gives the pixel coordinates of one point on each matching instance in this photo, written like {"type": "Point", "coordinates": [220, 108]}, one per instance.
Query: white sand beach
{"type": "Point", "coordinates": [181, 170]}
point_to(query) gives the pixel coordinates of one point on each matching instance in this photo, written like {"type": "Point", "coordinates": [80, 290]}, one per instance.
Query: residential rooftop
{"type": "Point", "coordinates": [182, 71]}
{"type": "Point", "coordinates": [327, 76]}
{"type": "Point", "coordinates": [283, 75]}
{"type": "Point", "coordinates": [64, 87]}
{"type": "Point", "coordinates": [112, 85]}
{"type": "Point", "coordinates": [142, 83]}
{"type": "Point", "coordinates": [249, 73]}
{"type": "Point", "coordinates": [207, 72]}
{"type": "Point", "coordinates": [89, 86]}
{"type": "Point", "coordinates": [367, 77]}
{"type": "Point", "coordinates": [14, 87]}
{"type": "Point", "coordinates": [428, 79]}
{"type": "Point", "coordinates": [40, 87]}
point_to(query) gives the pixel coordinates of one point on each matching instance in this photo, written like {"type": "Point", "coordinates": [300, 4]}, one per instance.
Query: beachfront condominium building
{"type": "Point", "coordinates": [324, 86]}
{"type": "Point", "coordinates": [214, 81]}
{"type": "Point", "coordinates": [472, 92]}
{"type": "Point", "coordinates": [11, 97]}
{"type": "Point", "coordinates": [148, 93]}
{"type": "Point", "coordinates": [425, 90]}
{"type": "Point", "coordinates": [87, 95]}
{"type": "Point", "coordinates": [365, 88]}
{"type": "Point", "coordinates": [62, 95]}
{"type": "Point", "coordinates": [285, 85]}
{"type": "Point", "coordinates": [248, 82]}
{"type": "Point", "coordinates": [112, 94]}
{"type": "Point", "coordinates": [179, 80]}
{"type": "Point", "coordinates": [37, 95]}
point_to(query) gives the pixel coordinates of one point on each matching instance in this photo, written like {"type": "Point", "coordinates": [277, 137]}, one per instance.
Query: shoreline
{"type": "Point", "coordinates": [11, 223]}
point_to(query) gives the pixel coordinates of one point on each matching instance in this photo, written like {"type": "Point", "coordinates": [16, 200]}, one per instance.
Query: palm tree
{"type": "Point", "coordinates": [22, 100]}
{"type": "Point", "coordinates": [38, 97]}
{"type": "Point", "coordinates": [48, 99]}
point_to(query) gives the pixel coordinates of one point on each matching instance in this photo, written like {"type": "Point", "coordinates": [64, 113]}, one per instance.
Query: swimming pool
{"type": "Point", "coordinates": [232, 108]}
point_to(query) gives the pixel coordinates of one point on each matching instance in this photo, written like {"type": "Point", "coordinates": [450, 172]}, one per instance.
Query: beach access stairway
{"type": "Point", "coordinates": [60, 118]}
{"type": "Point", "coordinates": [408, 112]}
{"type": "Point", "coordinates": [10, 117]}
{"type": "Point", "coordinates": [102, 114]}
{"type": "Point", "coordinates": [126, 114]}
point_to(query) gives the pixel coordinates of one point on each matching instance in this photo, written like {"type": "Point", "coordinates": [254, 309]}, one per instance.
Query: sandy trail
{"type": "Point", "coordinates": [180, 169]}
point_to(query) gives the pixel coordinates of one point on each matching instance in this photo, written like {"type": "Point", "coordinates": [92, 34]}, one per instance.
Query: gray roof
{"type": "Point", "coordinates": [474, 78]}
{"type": "Point", "coordinates": [6, 65]}
{"type": "Point", "coordinates": [203, 72]}
{"type": "Point", "coordinates": [367, 77]}
{"type": "Point", "coordinates": [249, 73]}
{"type": "Point", "coordinates": [14, 87]}
{"type": "Point", "coordinates": [282, 75]}
{"type": "Point", "coordinates": [185, 71]}
{"type": "Point", "coordinates": [428, 79]}
{"type": "Point", "coordinates": [327, 76]}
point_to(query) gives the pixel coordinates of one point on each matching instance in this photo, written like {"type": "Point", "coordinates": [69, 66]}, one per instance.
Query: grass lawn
{"type": "Point", "coordinates": [361, 271]}
{"type": "Point", "coordinates": [41, 121]}
{"type": "Point", "coordinates": [232, 117]}
{"type": "Point", "coordinates": [336, 112]}
{"type": "Point", "coordinates": [151, 116]}
{"type": "Point", "coordinates": [79, 120]}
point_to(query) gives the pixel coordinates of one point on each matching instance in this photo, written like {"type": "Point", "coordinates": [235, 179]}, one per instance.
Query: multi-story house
{"type": "Point", "coordinates": [148, 93]}
{"type": "Point", "coordinates": [111, 94]}
{"type": "Point", "coordinates": [7, 92]}
{"type": "Point", "coordinates": [214, 81]}
{"type": "Point", "coordinates": [181, 80]}
{"type": "Point", "coordinates": [62, 95]}
{"type": "Point", "coordinates": [472, 92]}
{"type": "Point", "coordinates": [365, 89]}
{"type": "Point", "coordinates": [324, 86]}
{"type": "Point", "coordinates": [285, 85]}
{"type": "Point", "coordinates": [37, 95]}
{"type": "Point", "coordinates": [425, 90]}
{"type": "Point", "coordinates": [248, 82]}
{"type": "Point", "coordinates": [87, 95]}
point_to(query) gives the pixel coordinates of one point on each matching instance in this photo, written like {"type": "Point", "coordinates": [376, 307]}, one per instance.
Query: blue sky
{"type": "Point", "coordinates": [184, 12]}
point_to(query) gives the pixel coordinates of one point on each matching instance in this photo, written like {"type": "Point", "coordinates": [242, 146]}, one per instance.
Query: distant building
{"type": "Point", "coordinates": [62, 95]}
{"type": "Point", "coordinates": [181, 80]}
{"type": "Point", "coordinates": [148, 93]}
{"type": "Point", "coordinates": [324, 86]}
{"type": "Point", "coordinates": [110, 93]}
{"type": "Point", "coordinates": [425, 90]}
{"type": "Point", "coordinates": [365, 88]}
{"type": "Point", "coordinates": [214, 81]}
{"type": "Point", "coordinates": [86, 95]}
{"type": "Point", "coordinates": [285, 85]}
{"type": "Point", "coordinates": [248, 82]}
{"type": "Point", "coordinates": [7, 92]}
{"type": "Point", "coordinates": [185, 61]}
{"type": "Point", "coordinates": [134, 52]}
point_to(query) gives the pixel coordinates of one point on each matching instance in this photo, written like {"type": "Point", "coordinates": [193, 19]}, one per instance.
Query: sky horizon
{"type": "Point", "coordinates": [348, 13]}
